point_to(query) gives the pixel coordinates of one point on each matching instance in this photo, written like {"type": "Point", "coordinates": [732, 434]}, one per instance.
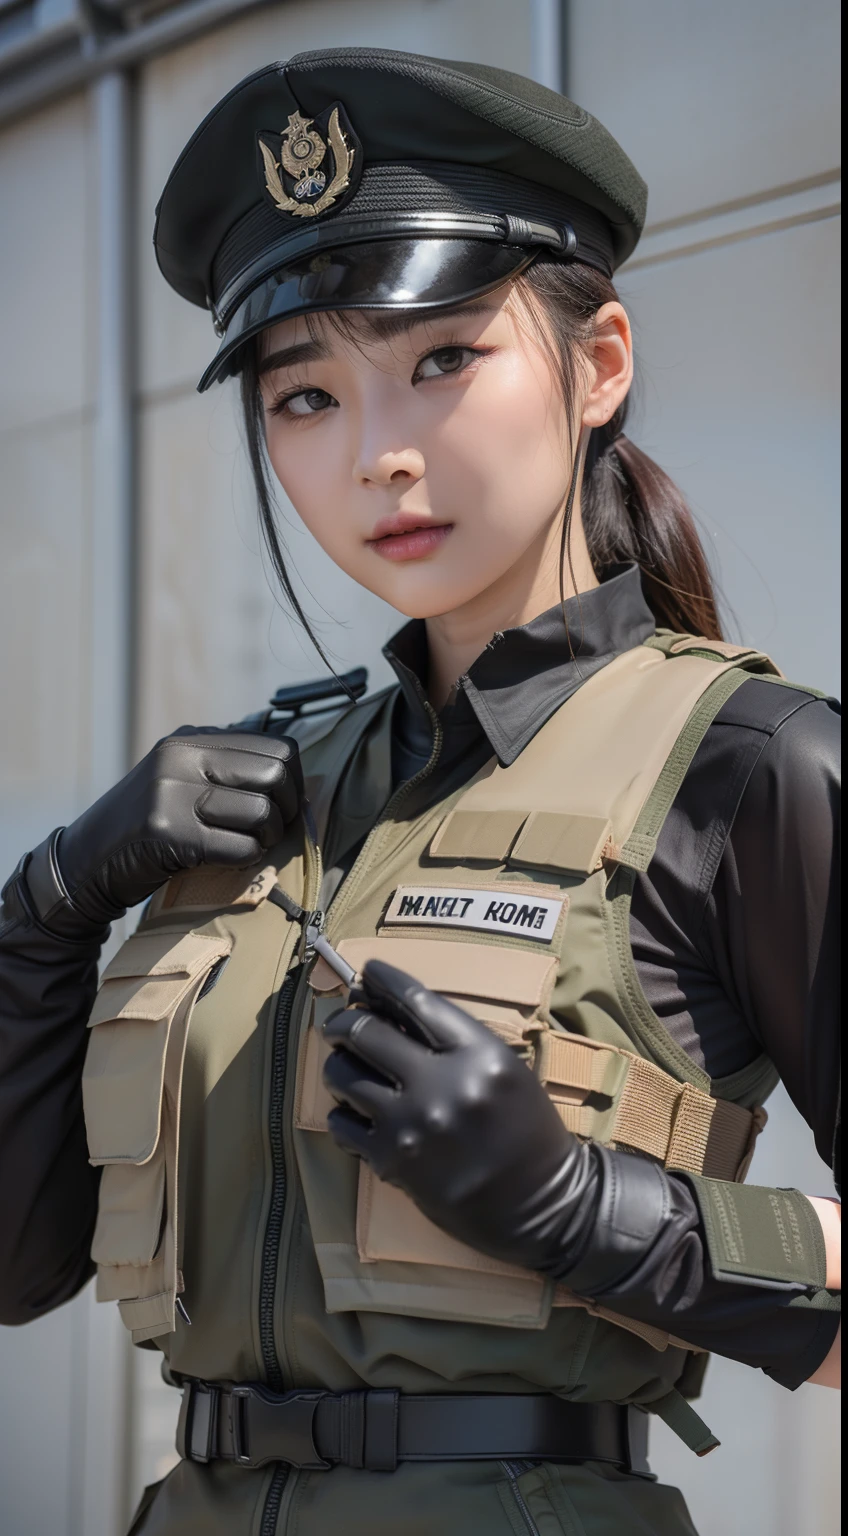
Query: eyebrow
{"type": "Point", "coordinates": [386, 325]}
{"type": "Point", "coordinates": [383, 324]}
{"type": "Point", "coordinates": [288, 357]}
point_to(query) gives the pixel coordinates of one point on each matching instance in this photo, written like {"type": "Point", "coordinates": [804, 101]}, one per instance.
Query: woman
{"type": "Point", "coordinates": [429, 1219]}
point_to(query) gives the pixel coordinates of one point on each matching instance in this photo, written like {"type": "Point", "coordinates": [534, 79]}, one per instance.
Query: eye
{"type": "Point", "coordinates": [443, 361]}
{"type": "Point", "coordinates": [307, 402]}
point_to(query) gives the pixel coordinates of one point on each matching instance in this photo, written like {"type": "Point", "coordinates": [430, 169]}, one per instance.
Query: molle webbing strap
{"type": "Point", "coordinates": [575, 794]}
{"type": "Point", "coordinates": [653, 1113]}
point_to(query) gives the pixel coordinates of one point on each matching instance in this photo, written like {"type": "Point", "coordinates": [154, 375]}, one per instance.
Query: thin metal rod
{"type": "Point", "coordinates": [112, 500]}
{"type": "Point", "coordinates": [53, 81]}
{"type": "Point", "coordinates": [547, 43]}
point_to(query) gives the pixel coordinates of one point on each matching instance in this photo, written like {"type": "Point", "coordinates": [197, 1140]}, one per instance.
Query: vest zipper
{"type": "Point", "coordinates": [512, 1470]}
{"type": "Point", "coordinates": [270, 1513]}
{"type": "Point", "coordinates": [274, 1226]}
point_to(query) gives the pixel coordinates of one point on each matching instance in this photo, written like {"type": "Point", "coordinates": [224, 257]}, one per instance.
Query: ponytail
{"type": "Point", "coordinates": [632, 511]}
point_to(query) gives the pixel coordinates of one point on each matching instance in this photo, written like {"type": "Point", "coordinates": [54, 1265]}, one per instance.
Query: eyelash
{"type": "Point", "coordinates": [278, 408]}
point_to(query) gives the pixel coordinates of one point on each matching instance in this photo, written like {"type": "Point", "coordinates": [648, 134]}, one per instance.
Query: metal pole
{"type": "Point", "coordinates": [112, 510]}
{"type": "Point", "coordinates": [104, 1395]}
{"type": "Point", "coordinates": [547, 39]}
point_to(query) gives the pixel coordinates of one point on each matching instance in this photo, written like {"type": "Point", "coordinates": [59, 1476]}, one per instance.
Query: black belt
{"type": "Point", "coordinates": [375, 1430]}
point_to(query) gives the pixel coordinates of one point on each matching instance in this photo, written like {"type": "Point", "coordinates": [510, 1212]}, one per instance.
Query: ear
{"type": "Point", "coordinates": [610, 365]}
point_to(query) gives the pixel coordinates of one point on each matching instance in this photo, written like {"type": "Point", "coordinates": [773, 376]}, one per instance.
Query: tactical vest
{"type": "Point", "coordinates": [511, 897]}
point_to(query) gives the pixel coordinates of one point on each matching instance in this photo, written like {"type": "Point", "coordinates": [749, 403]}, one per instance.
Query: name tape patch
{"type": "Point", "coordinates": [531, 916]}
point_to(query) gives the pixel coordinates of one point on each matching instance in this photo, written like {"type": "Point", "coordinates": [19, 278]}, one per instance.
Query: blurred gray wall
{"type": "Point", "coordinates": [730, 111]}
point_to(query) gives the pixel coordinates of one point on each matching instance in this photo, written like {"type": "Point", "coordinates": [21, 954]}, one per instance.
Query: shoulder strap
{"type": "Point", "coordinates": [327, 748]}
{"type": "Point", "coordinates": [577, 793]}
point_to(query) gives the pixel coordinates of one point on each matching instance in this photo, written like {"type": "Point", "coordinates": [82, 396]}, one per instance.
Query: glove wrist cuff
{"type": "Point", "coordinates": [44, 894]}
{"type": "Point", "coordinates": [632, 1206]}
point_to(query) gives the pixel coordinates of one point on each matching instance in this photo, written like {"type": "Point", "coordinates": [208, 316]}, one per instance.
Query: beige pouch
{"type": "Point", "coordinates": [389, 1257]}
{"type": "Point", "coordinates": [131, 1098]}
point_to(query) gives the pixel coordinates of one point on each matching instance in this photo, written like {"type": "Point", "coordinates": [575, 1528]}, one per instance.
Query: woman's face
{"type": "Point", "coordinates": [429, 457]}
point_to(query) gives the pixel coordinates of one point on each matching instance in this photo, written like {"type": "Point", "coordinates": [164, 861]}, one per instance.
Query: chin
{"type": "Point", "coordinates": [428, 605]}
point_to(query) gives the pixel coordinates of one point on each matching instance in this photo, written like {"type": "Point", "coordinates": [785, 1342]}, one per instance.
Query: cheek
{"type": "Point", "coordinates": [313, 469]}
{"type": "Point", "coordinates": [506, 452]}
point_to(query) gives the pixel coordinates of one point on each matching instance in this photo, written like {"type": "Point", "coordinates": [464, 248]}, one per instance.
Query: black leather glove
{"type": "Point", "coordinates": [199, 797]}
{"type": "Point", "coordinates": [441, 1107]}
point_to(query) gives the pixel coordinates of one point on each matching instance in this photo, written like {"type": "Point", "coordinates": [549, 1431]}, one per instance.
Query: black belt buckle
{"type": "Point", "coordinates": [273, 1427]}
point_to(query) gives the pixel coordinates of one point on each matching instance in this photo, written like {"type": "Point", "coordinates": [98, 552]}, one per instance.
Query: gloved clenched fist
{"type": "Point", "coordinates": [199, 797]}
{"type": "Point", "coordinates": [441, 1107]}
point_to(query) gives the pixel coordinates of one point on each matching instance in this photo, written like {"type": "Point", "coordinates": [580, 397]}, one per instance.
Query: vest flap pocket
{"type": "Point", "coordinates": [389, 1226]}
{"type": "Point", "coordinates": [313, 1102]}
{"type": "Point", "coordinates": [460, 969]}
{"type": "Point", "coordinates": [406, 1265]}
{"type": "Point", "coordinates": [165, 954]}
{"type": "Point", "coordinates": [129, 1215]}
{"type": "Point", "coordinates": [123, 1077]}
{"type": "Point", "coordinates": [503, 988]}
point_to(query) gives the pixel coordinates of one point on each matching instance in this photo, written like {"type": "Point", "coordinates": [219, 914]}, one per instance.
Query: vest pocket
{"type": "Point", "coordinates": [376, 1250]}
{"type": "Point", "coordinates": [131, 1097]}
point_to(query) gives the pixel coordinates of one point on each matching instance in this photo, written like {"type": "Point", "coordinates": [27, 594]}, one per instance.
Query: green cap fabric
{"type": "Point", "coordinates": [313, 184]}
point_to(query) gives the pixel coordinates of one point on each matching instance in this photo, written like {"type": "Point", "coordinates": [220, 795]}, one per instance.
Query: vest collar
{"type": "Point", "coordinates": [524, 674]}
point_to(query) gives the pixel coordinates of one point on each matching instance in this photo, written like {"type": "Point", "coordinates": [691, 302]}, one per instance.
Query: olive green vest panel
{"type": "Point", "coordinates": [178, 1078]}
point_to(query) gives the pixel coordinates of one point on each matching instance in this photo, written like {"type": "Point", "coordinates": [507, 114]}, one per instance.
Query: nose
{"type": "Point", "coordinates": [381, 466]}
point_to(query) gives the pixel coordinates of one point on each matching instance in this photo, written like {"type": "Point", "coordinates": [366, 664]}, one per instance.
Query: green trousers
{"type": "Point", "coordinates": [445, 1499]}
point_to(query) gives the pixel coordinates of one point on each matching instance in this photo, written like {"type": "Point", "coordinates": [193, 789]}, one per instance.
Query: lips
{"type": "Point", "coordinates": [408, 536]}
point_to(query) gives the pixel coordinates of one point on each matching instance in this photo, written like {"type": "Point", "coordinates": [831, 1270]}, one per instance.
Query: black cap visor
{"type": "Point", "coordinates": [415, 274]}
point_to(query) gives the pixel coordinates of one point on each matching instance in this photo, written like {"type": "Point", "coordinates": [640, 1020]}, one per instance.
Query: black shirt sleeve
{"type": "Point", "coordinates": [48, 1191]}
{"type": "Point", "coordinates": [735, 927]}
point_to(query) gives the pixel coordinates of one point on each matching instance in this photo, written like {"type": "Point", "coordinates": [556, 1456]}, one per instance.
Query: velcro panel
{"type": "Point", "coordinates": [770, 1235]}
{"type": "Point", "coordinates": [560, 841]}
{"type": "Point", "coordinates": [487, 835]}
{"type": "Point", "coordinates": [213, 886]}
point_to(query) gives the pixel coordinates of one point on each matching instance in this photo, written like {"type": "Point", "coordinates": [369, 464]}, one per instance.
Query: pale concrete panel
{"type": "Point", "coordinates": [178, 90]}
{"type": "Point", "coordinates": [213, 643]}
{"type": "Point", "coordinates": [34, 1418]}
{"type": "Point", "coordinates": [712, 102]}
{"type": "Point", "coordinates": [43, 624]}
{"type": "Point", "coordinates": [44, 259]}
{"type": "Point", "coordinates": [738, 350]}
{"type": "Point", "coordinates": [156, 1409]}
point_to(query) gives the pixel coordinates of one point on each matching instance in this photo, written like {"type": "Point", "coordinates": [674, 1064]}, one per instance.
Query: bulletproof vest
{"type": "Point", "coordinates": [511, 896]}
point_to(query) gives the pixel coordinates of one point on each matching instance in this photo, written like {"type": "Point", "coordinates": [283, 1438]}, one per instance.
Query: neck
{"type": "Point", "coordinates": [456, 639]}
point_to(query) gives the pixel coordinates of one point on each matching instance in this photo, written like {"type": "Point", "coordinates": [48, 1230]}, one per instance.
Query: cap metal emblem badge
{"type": "Point", "coordinates": [300, 155]}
